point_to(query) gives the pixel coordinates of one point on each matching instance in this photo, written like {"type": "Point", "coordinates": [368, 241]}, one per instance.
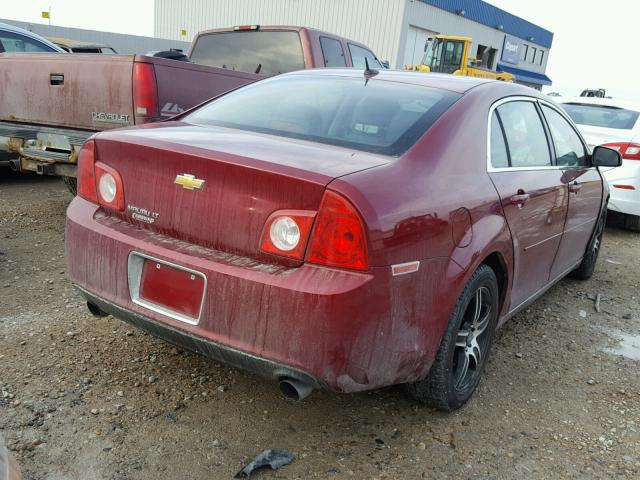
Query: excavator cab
{"type": "Point", "coordinates": [444, 54]}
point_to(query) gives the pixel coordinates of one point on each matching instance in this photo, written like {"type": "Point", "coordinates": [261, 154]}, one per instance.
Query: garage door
{"type": "Point", "coordinates": [414, 48]}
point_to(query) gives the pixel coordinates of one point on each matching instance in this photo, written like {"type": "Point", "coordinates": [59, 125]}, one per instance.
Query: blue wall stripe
{"type": "Point", "coordinates": [487, 14]}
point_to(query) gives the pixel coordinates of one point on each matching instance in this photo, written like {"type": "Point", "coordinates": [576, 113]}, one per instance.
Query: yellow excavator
{"type": "Point", "coordinates": [450, 54]}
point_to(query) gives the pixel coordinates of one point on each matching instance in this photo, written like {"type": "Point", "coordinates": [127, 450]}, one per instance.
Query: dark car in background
{"type": "Point", "coordinates": [340, 229]}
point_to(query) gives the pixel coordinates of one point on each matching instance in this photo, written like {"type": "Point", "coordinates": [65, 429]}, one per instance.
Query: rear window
{"type": "Point", "coordinates": [601, 115]}
{"type": "Point", "coordinates": [375, 116]}
{"type": "Point", "coordinates": [264, 52]}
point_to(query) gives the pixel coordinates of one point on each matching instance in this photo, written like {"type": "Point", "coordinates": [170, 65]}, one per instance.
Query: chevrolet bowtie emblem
{"type": "Point", "coordinates": [188, 182]}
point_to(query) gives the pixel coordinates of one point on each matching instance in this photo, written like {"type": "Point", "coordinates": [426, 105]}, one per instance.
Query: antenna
{"type": "Point", "coordinates": [369, 72]}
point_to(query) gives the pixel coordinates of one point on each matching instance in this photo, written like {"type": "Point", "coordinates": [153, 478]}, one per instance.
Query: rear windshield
{"type": "Point", "coordinates": [264, 52]}
{"type": "Point", "coordinates": [601, 115]}
{"type": "Point", "coordinates": [375, 116]}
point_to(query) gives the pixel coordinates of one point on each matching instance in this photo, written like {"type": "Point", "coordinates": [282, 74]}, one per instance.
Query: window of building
{"type": "Point", "coordinates": [541, 57]}
{"type": "Point", "coordinates": [486, 56]}
{"type": "Point", "coordinates": [570, 151]}
{"type": "Point", "coordinates": [525, 51]}
{"type": "Point", "coordinates": [525, 135]}
{"type": "Point", "coordinates": [533, 54]}
{"type": "Point", "coordinates": [332, 52]}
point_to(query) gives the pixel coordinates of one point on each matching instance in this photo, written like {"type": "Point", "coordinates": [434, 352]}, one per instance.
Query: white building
{"type": "Point", "coordinates": [396, 30]}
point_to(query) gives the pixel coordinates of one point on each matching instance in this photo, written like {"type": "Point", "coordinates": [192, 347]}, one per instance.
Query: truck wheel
{"type": "Point", "coordinates": [588, 264]}
{"type": "Point", "coordinates": [72, 185]}
{"type": "Point", "coordinates": [456, 371]}
{"type": "Point", "coordinates": [632, 222]}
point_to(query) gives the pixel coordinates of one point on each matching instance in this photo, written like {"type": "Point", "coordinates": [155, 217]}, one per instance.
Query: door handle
{"type": "Point", "coordinates": [56, 79]}
{"type": "Point", "coordinates": [520, 198]}
{"type": "Point", "coordinates": [574, 187]}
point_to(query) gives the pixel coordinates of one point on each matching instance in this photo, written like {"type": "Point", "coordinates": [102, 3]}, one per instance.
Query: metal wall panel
{"type": "Point", "coordinates": [123, 44]}
{"type": "Point", "coordinates": [376, 23]}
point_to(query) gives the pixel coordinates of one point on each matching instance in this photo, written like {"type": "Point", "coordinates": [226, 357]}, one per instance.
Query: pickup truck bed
{"type": "Point", "coordinates": [56, 103]}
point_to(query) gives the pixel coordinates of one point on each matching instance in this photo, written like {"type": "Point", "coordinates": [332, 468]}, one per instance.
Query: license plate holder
{"type": "Point", "coordinates": [166, 288]}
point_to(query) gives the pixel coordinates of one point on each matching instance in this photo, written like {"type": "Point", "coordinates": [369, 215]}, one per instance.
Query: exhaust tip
{"type": "Point", "coordinates": [95, 310]}
{"type": "Point", "coordinates": [294, 389]}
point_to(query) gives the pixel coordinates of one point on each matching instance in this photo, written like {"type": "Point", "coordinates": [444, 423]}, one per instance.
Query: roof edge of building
{"type": "Point", "coordinates": [494, 17]}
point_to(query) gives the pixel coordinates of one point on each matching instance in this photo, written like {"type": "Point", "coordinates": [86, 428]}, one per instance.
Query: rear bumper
{"type": "Point", "coordinates": [625, 200]}
{"type": "Point", "coordinates": [214, 351]}
{"type": "Point", "coordinates": [344, 331]}
{"type": "Point", "coordinates": [44, 150]}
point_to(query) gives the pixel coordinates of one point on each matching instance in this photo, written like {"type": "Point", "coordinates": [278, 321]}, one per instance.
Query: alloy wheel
{"type": "Point", "coordinates": [472, 341]}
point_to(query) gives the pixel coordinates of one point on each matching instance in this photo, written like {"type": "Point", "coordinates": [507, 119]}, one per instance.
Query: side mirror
{"type": "Point", "coordinates": [385, 64]}
{"type": "Point", "coordinates": [606, 157]}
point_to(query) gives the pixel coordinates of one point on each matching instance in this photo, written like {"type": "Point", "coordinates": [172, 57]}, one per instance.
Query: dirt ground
{"type": "Point", "coordinates": [88, 398]}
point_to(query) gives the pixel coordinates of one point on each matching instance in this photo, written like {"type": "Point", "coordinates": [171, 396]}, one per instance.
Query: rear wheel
{"type": "Point", "coordinates": [456, 371]}
{"type": "Point", "coordinates": [588, 264]}
{"type": "Point", "coordinates": [72, 185]}
{"type": "Point", "coordinates": [632, 222]}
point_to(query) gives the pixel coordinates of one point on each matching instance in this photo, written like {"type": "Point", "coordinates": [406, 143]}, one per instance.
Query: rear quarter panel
{"type": "Point", "coordinates": [436, 205]}
{"type": "Point", "coordinates": [92, 83]}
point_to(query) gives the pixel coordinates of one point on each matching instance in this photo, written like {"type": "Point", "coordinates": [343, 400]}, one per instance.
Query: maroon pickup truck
{"type": "Point", "coordinates": [55, 101]}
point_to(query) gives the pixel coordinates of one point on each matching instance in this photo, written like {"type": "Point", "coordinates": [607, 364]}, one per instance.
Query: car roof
{"type": "Point", "coordinates": [454, 83]}
{"type": "Point", "coordinates": [21, 31]}
{"type": "Point", "coordinates": [68, 42]}
{"type": "Point", "coordinates": [605, 102]}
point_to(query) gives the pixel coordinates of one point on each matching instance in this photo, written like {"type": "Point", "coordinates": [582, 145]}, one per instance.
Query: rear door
{"type": "Point", "coordinates": [531, 189]}
{"type": "Point", "coordinates": [584, 185]}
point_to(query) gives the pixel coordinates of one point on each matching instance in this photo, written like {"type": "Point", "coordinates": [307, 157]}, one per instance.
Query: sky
{"type": "Point", "coordinates": [593, 47]}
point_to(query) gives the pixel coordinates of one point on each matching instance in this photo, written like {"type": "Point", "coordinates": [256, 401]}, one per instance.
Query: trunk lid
{"type": "Point", "coordinates": [245, 176]}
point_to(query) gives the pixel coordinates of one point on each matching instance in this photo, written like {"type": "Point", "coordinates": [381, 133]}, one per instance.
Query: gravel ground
{"type": "Point", "coordinates": [87, 398]}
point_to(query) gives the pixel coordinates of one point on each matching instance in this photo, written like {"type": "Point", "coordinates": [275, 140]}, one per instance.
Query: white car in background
{"type": "Point", "coordinates": [603, 121]}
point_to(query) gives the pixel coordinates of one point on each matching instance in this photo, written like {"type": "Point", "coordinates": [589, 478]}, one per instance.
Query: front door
{"type": "Point", "coordinates": [584, 186]}
{"type": "Point", "coordinates": [532, 193]}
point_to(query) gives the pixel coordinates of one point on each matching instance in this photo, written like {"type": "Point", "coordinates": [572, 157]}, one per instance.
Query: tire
{"type": "Point", "coordinates": [72, 185]}
{"type": "Point", "coordinates": [588, 264]}
{"type": "Point", "coordinates": [469, 335]}
{"type": "Point", "coordinates": [632, 223]}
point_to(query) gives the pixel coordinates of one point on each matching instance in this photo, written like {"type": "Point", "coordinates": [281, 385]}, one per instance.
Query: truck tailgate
{"type": "Point", "coordinates": [90, 92]}
{"type": "Point", "coordinates": [182, 85]}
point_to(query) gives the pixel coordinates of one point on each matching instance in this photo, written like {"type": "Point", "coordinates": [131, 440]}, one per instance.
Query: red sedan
{"type": "Point", "coordinates": [340, 230]}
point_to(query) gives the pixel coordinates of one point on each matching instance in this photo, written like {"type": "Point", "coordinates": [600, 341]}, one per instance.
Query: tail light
{"type": "Point", "coordinates": [286, 233]}
{"type": "Point", "coordinates": [338, 239]}
{"type": "Point", "coordinates": [97, 182]}
{"type": "Point", "coordinates": [109, 186]}
{"type": "Point", "coordinates": [145, 90]}
{"type": "Point", "coordinates": [629, 151]}
{"type": "Point", "coordinates": [86, 175]}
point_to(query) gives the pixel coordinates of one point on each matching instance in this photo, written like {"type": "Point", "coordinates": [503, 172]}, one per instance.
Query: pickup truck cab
{"type": "Point", "coordinates": [57, 101]}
